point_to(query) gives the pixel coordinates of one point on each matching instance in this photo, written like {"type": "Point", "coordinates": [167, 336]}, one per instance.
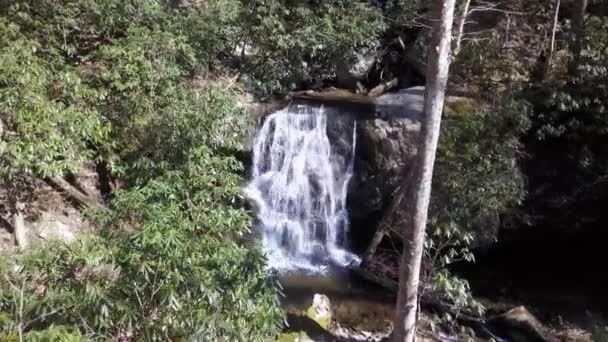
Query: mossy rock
{"type": "Point", "coordinates": [320, 311]}
{"type": "Point", "coordinates": [294, 336]}
{"type": "Point", "coordinates": [461, 107]}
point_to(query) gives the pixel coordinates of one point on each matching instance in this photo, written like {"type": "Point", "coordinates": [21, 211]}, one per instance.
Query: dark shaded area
{"type": "Point", "coordinates": [551, 253]}
{"type": "Point", "coordinates": [559, 272]}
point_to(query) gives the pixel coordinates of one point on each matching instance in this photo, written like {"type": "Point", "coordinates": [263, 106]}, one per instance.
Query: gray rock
{"type": "Point", "coordinates": [386, 147]}
{"type": "Point", "coordinates": [407, 104]}
{"type": "Point", "coordinates": [349, 74]}
{"type": "Point", "coordinates": [518, 324]}
{"type": "Point", "coordinates": [320, 310]}
{"type": "Point", "coordinates": [52, 227]}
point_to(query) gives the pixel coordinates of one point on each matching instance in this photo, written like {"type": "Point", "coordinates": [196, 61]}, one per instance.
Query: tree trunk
{"type": "Point", "coordinates": [389, 218]}
{"type": "Point", "coordinates": [462, 23]}
{"type": "Point", "coordinates": [19, 227]}
{"type": "Point", "coordinates": [16, 208]}
{"type": "Point", "coordinates": [552, 43]}
{"type": "Point", "coordinates": [578, 25]}
{"type": "Point", "coordinates": [413, 230]}
{"type": "Point", "coordinates": [373, 246]}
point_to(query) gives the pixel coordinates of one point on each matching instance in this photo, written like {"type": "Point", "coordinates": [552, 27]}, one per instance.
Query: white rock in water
{"type": "Point", "coordinates": [320, 311]}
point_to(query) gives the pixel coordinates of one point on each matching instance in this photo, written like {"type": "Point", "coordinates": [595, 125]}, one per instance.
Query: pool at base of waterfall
{"type": "Point", "coordinates": [319, 263]}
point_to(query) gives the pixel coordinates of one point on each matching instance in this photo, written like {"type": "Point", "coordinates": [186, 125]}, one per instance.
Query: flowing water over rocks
{"type": "Point", "coordinates": [299, 185]}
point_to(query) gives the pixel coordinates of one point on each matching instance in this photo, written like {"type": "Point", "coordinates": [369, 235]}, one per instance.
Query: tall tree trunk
{"type": "Point", "coordinates": [578, 25]}
{"type": "Point", "coordinates": [552, 43]}
{"type": "Point", "coordinates": [414, 229]}
{"type": "Point", "coordinates": [461, 24]}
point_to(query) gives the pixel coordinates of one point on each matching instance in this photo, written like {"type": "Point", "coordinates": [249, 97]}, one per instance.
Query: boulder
{"type": "Point", "coordinates": [386, 147]}
{"type": "Point", "coordinates": [320, 311]}
{"type": "Point", "coordinates": [310, 325]}
{"type": "Point", "coordinates": [55, 227]}
{"type": "Point", "coordinates": [518, 324]}
{"type": "Point", "coordinates": [348, 74]}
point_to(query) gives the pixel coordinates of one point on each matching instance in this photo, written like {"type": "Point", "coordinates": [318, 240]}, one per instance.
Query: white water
{"type": "Point", "coordinates": [299, 186]}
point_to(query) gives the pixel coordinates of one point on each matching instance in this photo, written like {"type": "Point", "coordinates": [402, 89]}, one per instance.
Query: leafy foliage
{"type": "Point", "coordinates": [288, 42]}
{"type": "Point", "coordinates": [46, 112]}
{"type": "Point", "coordinates": [171, 260]}
{"type": "Point", "coordinates": [567, 143]}
{"type": "Point", "coordinates": [172, 273]}
{"type": "Point", "coordinates": [476, 179]}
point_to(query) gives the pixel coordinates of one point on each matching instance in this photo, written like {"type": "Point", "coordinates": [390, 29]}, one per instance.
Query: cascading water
{"type": "Point", "coordinates": [299, 185]}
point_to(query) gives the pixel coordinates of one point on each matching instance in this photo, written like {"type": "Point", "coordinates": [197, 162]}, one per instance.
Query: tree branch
{"type": "Point", "coordinates": [78, 196]}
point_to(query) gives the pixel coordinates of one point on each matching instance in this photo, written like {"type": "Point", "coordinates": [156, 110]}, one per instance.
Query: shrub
{"type": "Point", "coordinates": [476, 179]}
{"type": "Point", "coordinates": [285, 43]}
{"type": "Point", "coordinates": [110, 81]}
{"type": "Point", "coordinates": [170, 262]}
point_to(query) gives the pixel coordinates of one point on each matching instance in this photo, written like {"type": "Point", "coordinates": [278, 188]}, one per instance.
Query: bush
{"type": "Point", "coordinates": [476, 179]}
{"type": "Point", "coordinates": [46, 111]}
{"type": "Point", "coordinates": [170, 262]}
{"type": "Point", "coordinates": [285, 43]}
{"type": "Point", "coordinates": [110, 81]}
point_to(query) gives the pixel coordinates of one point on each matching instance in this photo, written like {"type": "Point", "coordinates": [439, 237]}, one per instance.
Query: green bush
{"type": "Point", "coordinates": [285, 43]}
{"type": "Point", "coordinates": [111, 81]}
{"type": "Point", "coordinates": [170, 262]}
{"type": "Point", "coordinates": [47, 111]}
{"type": "Point", "coordinates": [476, 179]}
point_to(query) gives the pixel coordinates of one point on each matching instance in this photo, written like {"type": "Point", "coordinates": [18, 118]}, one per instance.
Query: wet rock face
{"type": "Point", "coordinates": [386, 147]}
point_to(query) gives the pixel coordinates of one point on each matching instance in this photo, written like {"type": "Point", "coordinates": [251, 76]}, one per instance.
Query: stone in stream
{"type": "Point", "coordinates": [313, 325]}
{"type": "Point", "coordinates": [320, 310]}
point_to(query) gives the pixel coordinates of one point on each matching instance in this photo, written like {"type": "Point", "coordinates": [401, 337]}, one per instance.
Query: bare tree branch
{"type": "Point", "coordinates": [81, 198]}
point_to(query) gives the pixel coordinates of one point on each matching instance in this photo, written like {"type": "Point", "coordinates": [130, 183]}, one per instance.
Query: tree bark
{"type": "Point", "coordinates": [414, 229]}
{"type": "Point", "coordinates": [16, 208]}
{"type": "Point", "coordinates": [388, 220]}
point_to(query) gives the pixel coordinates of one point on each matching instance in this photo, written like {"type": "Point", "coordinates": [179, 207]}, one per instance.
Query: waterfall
{"type": "Point", "coordinates": [299, 185]}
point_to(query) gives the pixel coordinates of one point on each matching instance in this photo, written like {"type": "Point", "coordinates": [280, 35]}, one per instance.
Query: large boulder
{"type": "Point", "coordinates": [386, 147]}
